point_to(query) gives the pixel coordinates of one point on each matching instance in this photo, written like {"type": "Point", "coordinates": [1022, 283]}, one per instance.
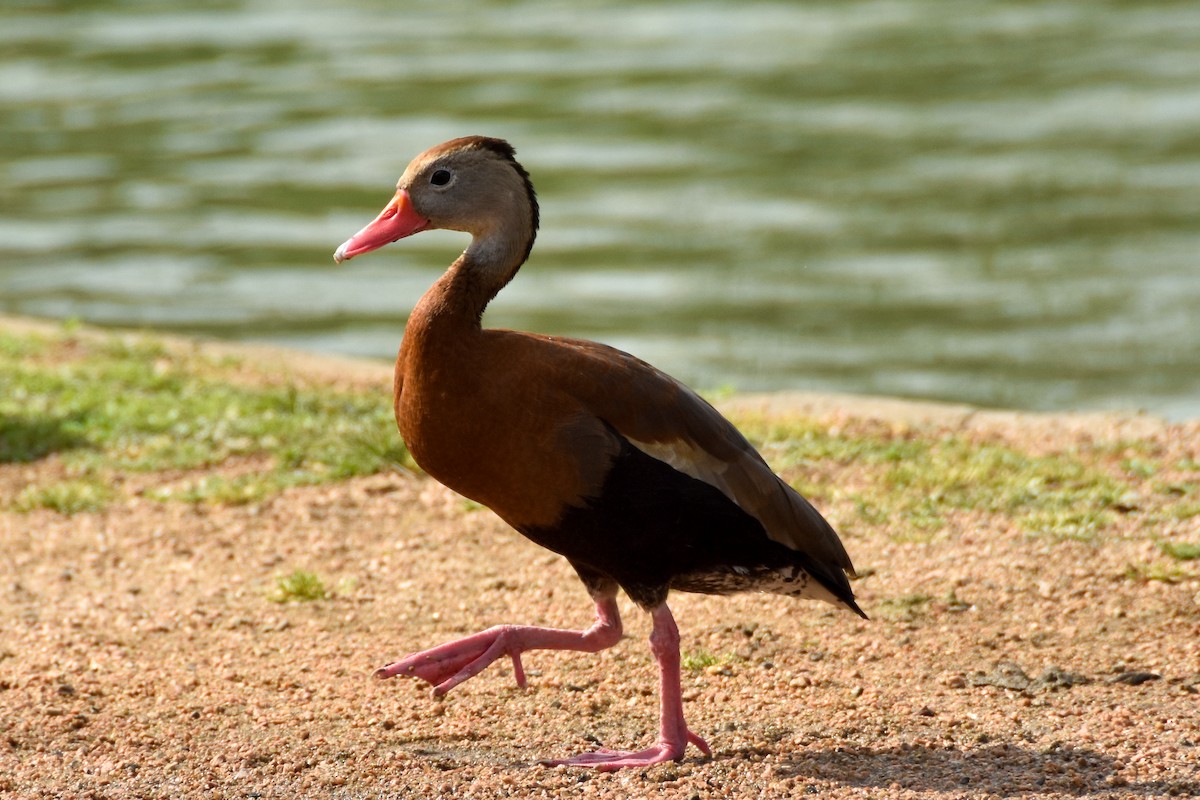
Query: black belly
{"type": "Point", "coordinates": [652, 528]}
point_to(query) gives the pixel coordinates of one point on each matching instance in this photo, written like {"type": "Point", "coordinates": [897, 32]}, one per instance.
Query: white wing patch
{"type": "Point", "coordinates": [786, 517]}
{"type": "Point", "coordinates": [693, 461]}
{"type": "Point", "coordinates": [755, 491]}
{"type": "Point", "coordinates": [749, 482]}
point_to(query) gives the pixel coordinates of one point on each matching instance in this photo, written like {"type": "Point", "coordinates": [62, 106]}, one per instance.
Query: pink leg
{"type": "Point", "coordinates": [448, 665]}
{"type": "Point", "coordinates": [673, 736]}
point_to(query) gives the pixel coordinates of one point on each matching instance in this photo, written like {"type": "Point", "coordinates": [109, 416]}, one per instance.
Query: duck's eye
{"type": "Point", "coordinates": [440, 177]}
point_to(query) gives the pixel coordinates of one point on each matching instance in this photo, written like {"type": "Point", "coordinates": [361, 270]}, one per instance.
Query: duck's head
{"type": "Point", "coordinates": [473, 184]}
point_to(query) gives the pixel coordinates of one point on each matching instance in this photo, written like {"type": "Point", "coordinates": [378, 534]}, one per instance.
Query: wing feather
{"type": "Point", "coordinates": [668, 421]}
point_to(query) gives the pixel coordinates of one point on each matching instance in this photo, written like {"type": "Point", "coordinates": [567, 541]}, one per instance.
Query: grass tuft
{"type": "Point", "coordinates": [65, 497]}
{"type": "Point", "coordinates": [702, 660]}
{"type": "Point", "coordinates": [1180, 551]}
{"type": "Point", "coordinates": [299, 587]}
{"type": "Point", "coordinates": [1143, 572]}
{"type": "Point", "coordinates": [904, 608]}
{"type": "Point", "coordinates": [698, 660]}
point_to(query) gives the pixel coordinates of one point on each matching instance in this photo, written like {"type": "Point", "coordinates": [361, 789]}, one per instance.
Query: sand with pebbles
{"type": "Point", "coordinates": [141, 654]}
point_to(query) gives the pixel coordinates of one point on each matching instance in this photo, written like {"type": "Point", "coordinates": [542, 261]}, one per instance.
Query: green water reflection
{"type": "Point", "coordinates": [993, 202]}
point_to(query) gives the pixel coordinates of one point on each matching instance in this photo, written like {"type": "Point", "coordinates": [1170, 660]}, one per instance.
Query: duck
{"type": "Point", "coordinates": [637, 481]}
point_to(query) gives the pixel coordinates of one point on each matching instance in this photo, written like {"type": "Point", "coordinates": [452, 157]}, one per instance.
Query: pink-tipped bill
{"type": "Point", "coordinates": [397, 220]}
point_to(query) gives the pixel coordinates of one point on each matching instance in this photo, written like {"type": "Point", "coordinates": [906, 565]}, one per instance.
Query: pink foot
{"type": "Point", "coordinates": [452, 663]}
{"type": "Point", "coordinates": [674, 735]}
{"type": "Point", "coordinates": [607, 760]}
{"type": "Point", "coordinates": [448, 665]}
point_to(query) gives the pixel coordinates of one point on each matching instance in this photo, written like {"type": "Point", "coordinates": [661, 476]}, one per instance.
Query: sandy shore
{"type": "Point", "coordinates": [142, 656]}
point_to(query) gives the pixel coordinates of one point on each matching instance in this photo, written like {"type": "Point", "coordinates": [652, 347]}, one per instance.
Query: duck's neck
{"type": "Point", "coordinates": [461, 295]}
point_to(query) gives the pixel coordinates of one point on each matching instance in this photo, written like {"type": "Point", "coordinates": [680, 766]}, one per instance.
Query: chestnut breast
{"type": "Point", "coordinates": [491, 414]}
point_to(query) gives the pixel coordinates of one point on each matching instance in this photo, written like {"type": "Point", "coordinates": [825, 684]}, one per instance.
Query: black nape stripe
{"type": "Point", "coordinates": [506, 151]}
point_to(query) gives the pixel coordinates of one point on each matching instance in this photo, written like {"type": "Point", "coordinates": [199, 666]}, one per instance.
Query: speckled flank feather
{"type": "Point", "coordinates": [791, 581]}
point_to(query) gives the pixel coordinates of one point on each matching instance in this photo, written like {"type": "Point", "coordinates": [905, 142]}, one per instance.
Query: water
{"type": "Point", "coordinates": [990, 202]}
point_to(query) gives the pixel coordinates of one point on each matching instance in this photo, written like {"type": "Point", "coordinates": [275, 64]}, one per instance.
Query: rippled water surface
{"type": "Point", "coordinates": [992, 202]}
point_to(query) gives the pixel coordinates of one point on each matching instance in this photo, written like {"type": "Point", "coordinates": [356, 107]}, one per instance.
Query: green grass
{"type": "Point", "coordinates": [1164, 573]}
{"type": "Point", "coordinates": [701, 659]}
{"type": "Point", "coordinates": [240, 490]}
{"type": "Point", "coordinates": [1139, 467]}
{"type": "Point", "coordinates": [1185, 510]}
{"type": "Point", "coordinates": [905, 607]}
{"type": "Point", "coordinates": [299, 587]}
{"type": "Point", "coordinates": [1069, 524]}
{"type": "Point", "coordinates": [920, 482]}
{"type": "Point", "coordinates": [65, 497]}
{"type": "Point", "coordinates": [214, 430]}
{"type": "Point", "coordinates": [111, 406]}
{"type": "Point", "coordinates": [1180, 551]}
{"type": "Point", "coordinates": [698, 660]}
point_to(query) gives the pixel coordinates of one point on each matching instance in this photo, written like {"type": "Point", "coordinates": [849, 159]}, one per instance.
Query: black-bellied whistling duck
{"type": "Point", "coordinates": [586, 450]}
